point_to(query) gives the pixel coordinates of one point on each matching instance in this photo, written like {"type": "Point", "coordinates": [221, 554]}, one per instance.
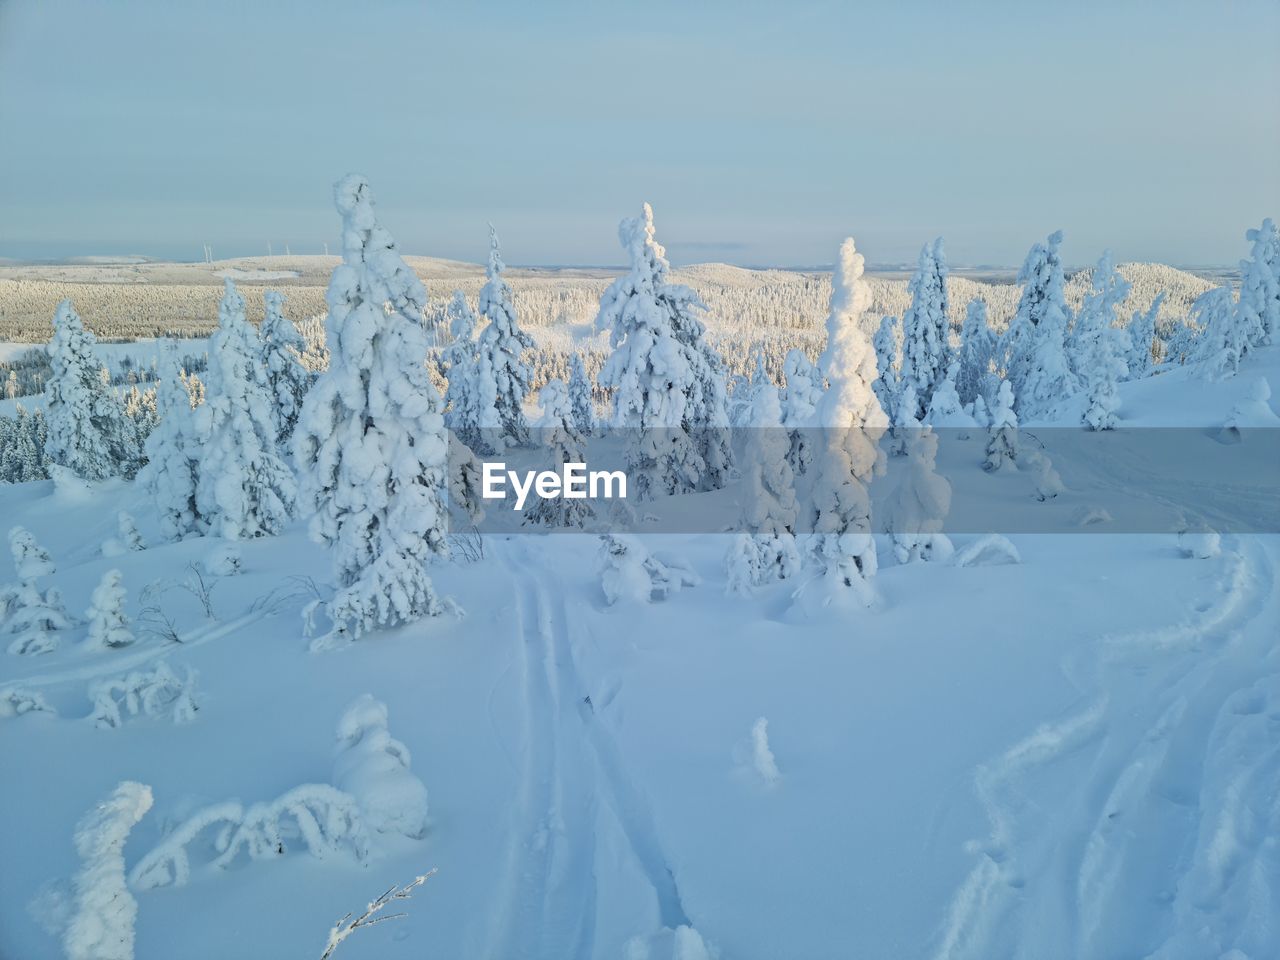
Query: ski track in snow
{"type": "Point", "coordinates": [1134, 818]}
{"type": "Point", "coordinates": [573, 784]}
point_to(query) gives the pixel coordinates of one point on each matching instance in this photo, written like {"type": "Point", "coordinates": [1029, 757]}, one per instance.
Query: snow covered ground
{"type": "Point", "coordinates": [1073, 756]}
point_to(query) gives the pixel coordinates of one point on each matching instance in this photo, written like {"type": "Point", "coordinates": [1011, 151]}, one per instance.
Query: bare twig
{"type": "Point", "coordinates": [200, 588]}
{"type": "Point", "coordinates": [346, 926]}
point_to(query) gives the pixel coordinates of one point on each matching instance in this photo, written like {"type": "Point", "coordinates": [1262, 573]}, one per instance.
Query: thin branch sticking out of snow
{"type": "Point", "coordinates": [346, 926]}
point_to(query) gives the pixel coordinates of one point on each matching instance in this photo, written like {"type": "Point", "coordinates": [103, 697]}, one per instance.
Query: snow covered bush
{"type": "Point", "coordinates": [920, 505]}
{"type": "Point", "coordinates": [371, 443]}
{"type": "Point", "coordinates": [139, 693]}
{"type": "Point", "coordinates": [558, 431]}
{"type": "Point", "coordinates": [174, 450]}
{"type": "Point", "coordinates": [224, 560]}
{"type": "Point", "coordinates": [1253, 410]}
{"type": "Point", "coordinates": [1100, 346]}
{"type": "Point", "coordinates": [101, 927]}
{"type": "Point", "coordinates": [374, 768]}
{"type": "Point", "coordinates": [1260, 286]}
{"type": "Point", "coordinates": [243, 488]}
{"type": "Point", "coordinates": [287, 379]}
{"type": "Point", "coordinates": [1002, 434]}
{"type": "Point", "coordinates": [1034, 344]}
{"type": "Point", "coordinates": [1223, 339]}
{"type": "Point", "coordinates": [992, 550]}
{"type": "Point", "coordinates": [108, 625]}
{"type": "Point", "coordinates": [127, 539]}
{"type": "Point", "coordinates": [800, 400]}
{"type": "Point", "coordinates": [852, 422]}
{"type": "Point", "coordinates": [926, 330]}
{"type": "Point", "coordinates": [1048, 483]}
{"type": "Point", "coordinates": [31, 617]}
{"type": "Point", "coordinates": [326, 819]}
{"type": "Point", "coordinates": [502, 344]}
{"type": "Point", "coordinates": [85, 419]}
{"type": "Point", "coordinates": [1142, 333]}
{"type": "Point", "coordinates": [946, 410]}
{"type": "Point", "coordinates": [15, 701]}
{"type": "Point", "coordinates": [629, 574]}
{"type": "Point", "coordinates": [30, 560]}
{"type": "Point", "coordinates": [1197, 542]}
{"type": "Point", "coordinates": [169, 862]}
{"type": "Point", "coordinates": [669, 384]}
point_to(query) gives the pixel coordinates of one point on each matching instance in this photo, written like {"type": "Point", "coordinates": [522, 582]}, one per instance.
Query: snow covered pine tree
{"type": "Point", "coordinates": [926, 329]}
{"type": "Point", "coordinates": [86, 422]}
{"type": "Point", "coordinates": [173, 453]}
{"type": "Point", "coordinates": [502, 344]}
{"type": "Point", "coordinates": [287, 379]}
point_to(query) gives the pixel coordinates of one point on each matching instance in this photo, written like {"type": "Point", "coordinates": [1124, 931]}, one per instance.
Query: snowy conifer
{"type": "Point", "coordinates": [852, 422]}
{"type": "Point", "coordinates": [977, 352]}
{"type": "Point", "coordinates": [584, 411]}
{"type": "Point", "coordinates": [463, 400]}
{"type": "Point", "coordinates": [1002, 435]}
{"type": "Point", "coordinates": [920, 504]}
{"type": "Point", "coordinates": [173, 452]}
{"type": "Point", "coordinates": [1034, 344]}
{"type": "Point", "coordinates": [887, 384]}
{"type": "Point", "coordinates": [629, 573]}
{"type": "Point", "coordinates": [945, 409]}
{"type": "Point", "coordinates": [85, 419]}
{"type": "Point", "coordinates": [101, 927]}
{"type": "Point", "coordinates": [30, 560]}
{"type": "Point", "coordinates": [127, 531]}
{"type": "Point", "coordinates": [108, 625]}
{"type": "Point", "coordinates": [287, 379]}
{"type": "Point", "coordinates": [1260, 286]}
{"type": "Point", "coordinates": [769, 509]}
{"type": "Point", "coordinates": [558, 432]}
{"type": "Point", "coordinates": [1101, 346]}
{"type": "Point", "coordinates": [800, 401]}
{"type": "Point", "coordinates": [1142, 333]}
{"type": "Point", "coordinates": [32, 618]}
{"type": "Point", "coordinates": [926, 330]}
{"type": "Point", "coordinates": [371, 441]}
{"type": "Point", "coordinates": [669, 384]}
{"type": "Point", "coordinates": [503, 343]}
{"type": "Point", "coordinates": [1224, 335]}
{"type": "Point", "coordinates": [243, 488]}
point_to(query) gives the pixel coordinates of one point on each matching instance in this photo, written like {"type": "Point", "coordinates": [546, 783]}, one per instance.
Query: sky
{"type": "Point", "coordinates": [762, 133]}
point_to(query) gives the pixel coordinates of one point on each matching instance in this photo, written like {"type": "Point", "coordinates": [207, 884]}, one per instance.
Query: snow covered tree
{"type": "Point", "coordinates": [629, 573]}
{"type": "Point", "coordinates": [287, 379]}
{"type": "Point", "coordinates": [101, 927]}
{"type": "Point", "coordinates": [945, 409]}
{"type": "Point", "coordinates": [243, 488]}
{"type": "Point", "coordinates": [33, 618]}
{"type": "Point", "coordinates": [800, 401]}
{"type": "Point", "coordinates": [174, 450]}
{"type": "Point", "coordinates": [920, 504]}
{"type": "Point", "coordinates": [127, 534]}
{"type": "Point", "coordinates": [669, 384]}
{"type": "Point", "coordinates": [1101, 346]}
{"type": "Point", "coordinates": [374, 768]}
{"type": "Point", "coordinates": [22, 440]}
{"type": "Point", "coordinates": [769, 509]}
{"type": "Point", "coordinates": [558, 432]}
{"type": "Point", "coordinates": [1260, 286]}
{"type": "Point", "coordinates": [503, 343]}
{"type": "Point", "coordinates": [926, 330]}
{"type": "Point", "coordinates": [1034, 345]}
{"type": "Point", "coordinates": [1002, 435]}
{"type": "Point", "coordinates": [468, 397]}
{"type": "Point", "coordinates": [1142, 334]}
{"type": "Point", "coordinates": [974, 377]}
{"type": "Point", "coordinates": [887, 384]}
{"type": "Point", "coordinates": [371, 441]}
{"type": "Point", "coordinates": [852, 422]}
{"type": "Point", "coordinates": [584, 411]}
{"type": "Point", "coordinates": [108, 625]}
{"type": "Point", "coordinates": [85, 419]}
{"type": "Point", "coordinates": [1224, 334]}
{"type": "Point", "coordinates": [30, 560]}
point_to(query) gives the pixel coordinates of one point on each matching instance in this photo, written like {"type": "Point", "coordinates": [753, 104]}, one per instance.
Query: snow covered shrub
{"type": "Point", "coordinates": [852, 422]}
{"type": "Point", "coordinates": [920, 505]}
{"type": "Point", "coordinates": [1252, 410]}
{"type": "Point", "coordinates": [1034, 344]}
{"type": "Point", "coordinates": [140, 693]}
{"type": "Point", "coordinates": [945, 409]}
{"type": "Point", "coordinates": [681, 943]}
{"type": "Point", "coordinates": [761, 754]}
{"type": "Point", "coordinates": [287, 379]}
{"type": "Point", "coordinates": [580, 399]}
{"type": "Point", "coordinates": [224, 560]}
{"type": "Point", "coordinates": [346, 926]}
{"type": "Point", "coordinates": [127, 538]}
{"type": "Point", "coordinates": [326, 820]}
{"type": "Point", "coordinates": [30, 560]}
{"type": "Point", "coordinates": [1260, 286]}
{"type": "Point", "coordinates": [243, 488]}
{"type": "Point", "coordinates": [1197, 542]}
{"type": "Point", "coordinates": [926, 331]}
{"type": "Point", "coordinates": [371, 443]}
{"type": "Point", "coordinates": [15, 701]}
{"type": "Point", "coordinates": [33, 618]}
{"type": "Point", "coordinates": [628, 572]}
{"type": "Point", "coordinates": [173, 452]}
{"type": "Point", "coordinates": [800, 400]}
{"type": "Point", "coordinates": [502, 343]}
{"type": "Point", "coordinates": [1223, 339]}
{"type": "Point", "coordinates": [1048, 483]}
{"type": "Point", "coordinates": [373, 767]}
{"type": "Point", "coordinates": [669, 383]}
{"type": "Point", "coordinates": [1002, 435]}
{"type": "Point", "coordinates": [1100, 346]}
{"type": "Point", "coordinates": [102, 925]}
{"type": "Point", "coordinates": [108, 625]}
{"type": "Point", "coordinates": [169, 862]}
{"type": "Point", "coordinates": [1142, 334]}
{"type": "Point", "coordinates": [86, 422]}
{"type": "Point", "coordinates": [558, 430]}
{"type": "Point", "coordinates": [993, 550]}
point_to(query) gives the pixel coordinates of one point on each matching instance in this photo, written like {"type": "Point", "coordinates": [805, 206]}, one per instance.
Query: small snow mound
{"type": "Point", "coordinates": [373, 767]}
{"type": "Point", "coordinates": [67, 486]}
{"type": "Point", "coordinates": [761, 754]}
{"type": "Point", "coordinates": [1254, 410]}
{"type": "Point", "coordinates": [832, 596]}
{"type": "Point", "coordinates": [682, 943]}
{"type": "Point", "coordinates": [1198, 543]}
{"type": "Point", "coordinates": [224, 560]}
{"type": "Point", "coordinates": [992, 550]}
{"type": "Point", "coordinates": [1088, 516]}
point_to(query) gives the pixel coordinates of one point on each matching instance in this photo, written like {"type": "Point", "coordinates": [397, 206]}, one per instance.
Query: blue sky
{"type": "Point", "coordinates": [762, 133]}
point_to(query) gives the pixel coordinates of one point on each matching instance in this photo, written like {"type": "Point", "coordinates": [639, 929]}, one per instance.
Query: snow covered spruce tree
{"type": "Point", "coordinates": [1224, 334]}
{"type": "Point", "coordinates": [86, 422]}
{"type": "Point", "coordinates": [920, 504]}
{"type": "Point", "coordinates": [1002, 436]}
{"type": "Point", "coordinates": [769, 508]}
{"type": "Point", "coordinates": [287, 379]}
{"type": "Point", "coordinates": [503, 344]}
{"type": "Point", "coordinates": [1139, 358]}
{"type": "Point", "coordinates": [800, 401]}
{"type": "Point", "coordinates": [174, 450]}
{"type": "Point", "coordinates": [1101, 346]}
{"type": "Point", "coordinates": [974, 378]}
{"type": "Point", "coordinates": [1260, 286]}
{"type": "Point", "coordinates": [243, 488]}
{"type": "Point", "coordinates": [887, 384]}
{"type": "Point", "coordinates": [1034, 345]}
{"type": "Point", "coordinates": [669, 384]}
{"type": "Point", "coordinates": [470, 399]}
{"type": "Point", "coordinates": [926, 330]}
{"type": "Point", "coordinates": [371, 442]}
{"type": "Point", "coordinates": [852, 422]}
{"type": "Point", "coordinates": [558, 432]}
{"type": "Point", "coordinates": [108, 625]}
{"type": "Point", "coordinates": [31, 617]}
{"type": "Point", "coordinates": [584, 410]}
